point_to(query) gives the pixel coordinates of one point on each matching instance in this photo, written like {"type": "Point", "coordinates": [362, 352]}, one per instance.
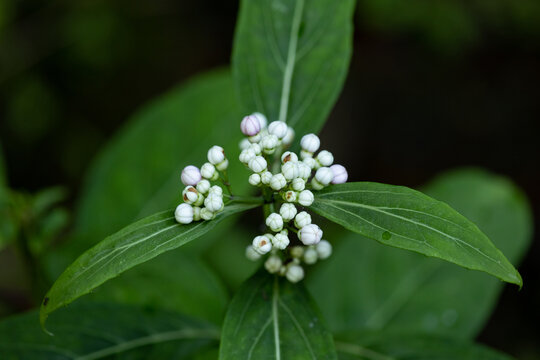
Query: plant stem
{"type": "Point", "coordinates": [239, 199]}
{"type": "Point", "coordinates": [225, 181]}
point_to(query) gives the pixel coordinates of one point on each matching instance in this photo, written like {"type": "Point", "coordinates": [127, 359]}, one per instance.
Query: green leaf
{"type": "Point", "coordinates": [290, 58]}
{"type": "Point", "coordinates": [392, 289]}
{"type": "Point", "coordinates": [270, 318]}
{"type": "Point", "coordinates": [397, 346]}
{"type": "Point", "coordinates": [133, 245]}
{"type": "Point", "coordinates": [97, 331]}
{"type": "Point", "coordinates": [161, 284]}
{"type": "Point", "coordinates": [405, 218]}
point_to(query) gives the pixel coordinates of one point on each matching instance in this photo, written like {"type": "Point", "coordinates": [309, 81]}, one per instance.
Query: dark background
{"type": "Point", "coordinates": [432, 86]}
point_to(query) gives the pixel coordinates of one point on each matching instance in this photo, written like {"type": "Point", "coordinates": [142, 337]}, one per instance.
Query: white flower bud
{"type": "Point", "coordinates": [278, 182]}
{"type": "Point", "coordinates": [340, 174]}
{"type": "Point", "coordinates": [208, 170]}
{"type": "Point", "coordinates": [199, 201]}
{"type": "Point", "coordinates": [196, 213]}
{"type": "Point", "coordinates": [325, 158]}
{"type": "Point", "coordinates": [203, 186]}
{"type": "Point", "coordinates": [297, 251]}
{"type": "Point", "coordinates": [287, 211]}
{"type": "Point", "coordinates": [310, 234]}
{"type": "Point", "coordinates": [305, 154]}
{"type": "Point", "coordinates": [244, 144]}
{"type": "Point", "coordinates": [289, 156]}
{"type": "Point", "coordinates": [298, 184]}
{"type": "Point", "coordinates": [250, 125]}
{"type": "Point", "coordinates": [190, 175]}
{"type": "Point", "coordinates": [184, 213]}
{"type": "Point", "coordinates": [290, 170]}
{"type": "Point", "coordinates": [246, 155]}
{"type": "Point", "coordinates": [261, 118]}
{"type": "Point", "coordinates": [302, 219]}
{"type": "Point", "coordinates": [255, 179]}
{"type": "Point", "coordinates": [310, 256]}
{"type": "Point", "coordinates": [280, 241]}
{"type": "Point", "coordinates": [251, 254]}
{"type": "Point", "coordinates": [262, 244]}
{"type": "Point", "coordinates": [324, 249]}
{"type": "Point", "coordinates": [275, 222]}
{"type": "Point", "coordinates": [310, 143]}
{"type": "Point", "coordinates": [304, 171]}
{"type": "Point", "coordinates": [295, 273]}
{"type": "Point", "coordinates": [256, 148]}
{"type": "Point", "coordinates": [255, 138]}
{"type": "Point", "coordinates": [216, 154]}
{"type": "Point", "coordinates": [190, 194]}
{"type": "Point", "coordinates": [258, 164]}
{"type": "Point", "coordinates": [324, 175]}
{"type": "Point", "coordinates": [316, 185]}
{"type": "Point", "coordinates": [214, 202]}
{"type": "Point", "coordinates": [306, 198]}
{"type": "Point", "coordinates": [311, 162]}
{"type": "Point", "coordinates": [273, 264]}
{"type": "Point", "coordinates": [216, 189]}
{"type": "Point", "coordinates": [289, 137]}
{"type": "Point", "coordinates": [269, 143]}
{"type": "Point", "coordinates": [222, 166]}
{"type": "Point", "coordinates": [266, 177]}
{"type": "Point", "coordinates": [278, 128]}
{"type": "Point", "coordinates": [290, 196]}
{"type": "Point", "coordinates": [207, 214]}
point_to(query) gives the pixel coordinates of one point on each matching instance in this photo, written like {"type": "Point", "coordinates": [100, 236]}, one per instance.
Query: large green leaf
{"type": "Point", "coordinates": [405, 218]}
{"type": "Point", "coordinates": [405, 346]}
{"type": "Point", "coordinates": [392, 289]}
{"type": "Point", "coordinates": [270, 318]}
{"type": "Point", "coordinates": [138, 172]}
{"type": "Point", "coordinates": [104, 331]}
{"type": "Point", "coordinates": [172, 281]}
{"type": "Point", "coordinates": [133, 245]}
{"type": "Point", "coordinates": [290, 58]}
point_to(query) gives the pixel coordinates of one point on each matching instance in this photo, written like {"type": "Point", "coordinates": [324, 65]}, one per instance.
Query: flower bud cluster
{"type": "Point", "coordinates": [202, 199]}
{"type": "Point", "coordinates": [289, 178]}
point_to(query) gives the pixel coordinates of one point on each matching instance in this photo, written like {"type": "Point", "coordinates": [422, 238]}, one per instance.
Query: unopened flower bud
{"type": "Point", "coordinates": [274, 221]}
{"type": "Point", "coordinates": [295, 273]}
{"type": "Point", "coordinates": [340, 174]}
{"type": "Point", "coordinates": [280, 241]}
{"type": "Point", "coordinates": [324, 176]}
{"type": "Point", "coordinates": [255, 138]}
{"type": "Point", "coordinates": [250, 125]}
{"type": "Point", "coordinates": [310, 256]}
{"type": "Point", "coordinates": [251, 254]}
{"type": "Point", "coordinates": [305, 154]}
{"type": "Point", "coordinates": [310, 143]}
{"type": "Point", "coordinates": [266, 177]}
{"type": "Point", "coordinates": [216, 189]}
{"type": "Point", "coordinates": [298, 184]}
{"type": "Point", "coordinates": [222, 166]}
{"type": "Point", "coordinates": [184, 213]}
{"type": "Point", "coordinates": [316, 185]}
{"type": "Point", "coordinates": [214, 202]}
{"type": "Point", "coordinates": [311, 162]}
{"type": "Point", "coordinates": [208, 171]}
{"type": "Point", "coordinates": [244, 144]}
{"type": "Point", "coordinates": [290, 196]}
{"type": "Point", "coordinates": [304, 171]}
{"type": "Point", "coordinates": [289, 137]}
{"type": "Point", "coordinates": [306, 198]}
{"type": "Point", "coordinates": [278, 182]}
{"type": "Point", "coordinates": [207, 214]}
{"type": "Point", "coordinates": [262, 244]}
{"type": "Point", "coordinates": [203, 186]}
{"type": "Point", "coordinates": [199, 201]}
{"type": "Point", "coordinates": [256, 148]}
{"type": "Point", "coordinates": [255, 179]}
{"type": "Point", "coordinates": [324, 249]}
{"type": "Point", "coordinates": [290, 170]}
{"type": "Point", "coordinates": [269, 143]}
{"type": "Point", "coordinates": [302, 219]}
{"type": "Point", "coordinates": [288, 156]}
{"type": "Point", "coordinates": [273, 264]}
{"type": "Point", "coordinates": [261, 118]}
{"type": "Point", "coordinates": [297, 251]}
{"type": "Point", "coordinates": [278, 128]}
{"type": "Point", "coordinates": [258, 164]}
{"type": "Point", "coordinates": [246, 155]}
{"type": "Point", "coordinates": [287, 211]}
{"type": "Point", "coordinates": [196, 213]}
{"type": "Point", "coordinates": [325, 158]}
{"type": "Point", "coordinates": [190, 175]}
{"type": "Point", "coordinates": [310, 234]}
{"type": "Point", "coordinates": [190, 194]}
{"type": "Point", "coordinates": [216, 154]}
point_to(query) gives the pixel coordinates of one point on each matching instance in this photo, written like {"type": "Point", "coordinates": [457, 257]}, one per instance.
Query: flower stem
{"type": "Point", "coordinates": [245, 199]}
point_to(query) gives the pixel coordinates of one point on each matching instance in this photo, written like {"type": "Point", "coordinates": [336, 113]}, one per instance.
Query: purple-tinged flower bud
{"type": "Point", "coordinates": [250, 125]}
{"type": "Point", "coordinates": [191, 175]}
{"type": "Point", "coordinates": [340, 174]}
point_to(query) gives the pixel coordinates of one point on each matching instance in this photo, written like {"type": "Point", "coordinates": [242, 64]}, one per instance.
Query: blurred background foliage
{"type": "Point", "coordinates": [432, 85]}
